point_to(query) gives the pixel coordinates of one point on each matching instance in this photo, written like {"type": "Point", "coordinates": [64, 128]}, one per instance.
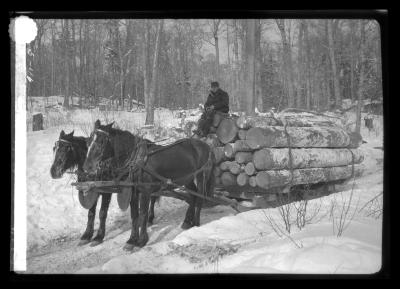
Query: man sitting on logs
{"type": "Point", "coordinates": [218, 100]}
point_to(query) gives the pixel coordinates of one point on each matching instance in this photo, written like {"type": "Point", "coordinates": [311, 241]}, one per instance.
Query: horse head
{"type": "Point", "coordinates": [64, 155]}
{"type": "Point", "coordinates": [100, 146]}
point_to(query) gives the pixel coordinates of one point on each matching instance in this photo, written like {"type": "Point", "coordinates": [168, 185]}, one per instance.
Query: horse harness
{"type": "Point", "coordinates": [136, 163]}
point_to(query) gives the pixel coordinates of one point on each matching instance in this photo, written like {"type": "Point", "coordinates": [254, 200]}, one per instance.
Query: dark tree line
{"type": "Point", "coordinates": [311, 64]}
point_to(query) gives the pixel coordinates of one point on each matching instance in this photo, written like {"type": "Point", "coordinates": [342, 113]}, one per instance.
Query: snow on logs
{"type": "Point", "coordinates": [253, 154]}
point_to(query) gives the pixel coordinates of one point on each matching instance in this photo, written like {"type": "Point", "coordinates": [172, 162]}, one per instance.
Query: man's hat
{"type": "Point", "coordinates": [214, 84]}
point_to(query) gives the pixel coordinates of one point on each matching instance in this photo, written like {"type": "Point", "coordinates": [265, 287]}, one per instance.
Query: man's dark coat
{"type": "Point", "coordinates": [220, 100]}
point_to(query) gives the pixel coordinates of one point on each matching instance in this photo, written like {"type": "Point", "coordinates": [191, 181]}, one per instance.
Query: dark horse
{"type": "Point", "coordinates": [70, 153]}
{"type": "Point", "coordinates": [188, 162]}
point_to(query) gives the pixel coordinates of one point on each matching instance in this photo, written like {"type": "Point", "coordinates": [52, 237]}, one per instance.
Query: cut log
{"type": "Point", "coordinates": [301, 137]}
{"type": "Point", "coordinates": [253, 181]}
{"type": "Point", "coordinates": [231, 149]}
{"type": "Point", "coordinates": [219, 154]}
{"type": "Point", "coordinates": [246, 122]}
{"type": "Point", "coordinates": [212, 140]}
{"type": "Point", "coordinates": [306, 119]}
{"type": "Point", "coordinates": [243, 157]}
{"type": "Point", "coordinates": [234, 168]}
{"type": "Point", "coordinates": [280, 178]}
{"type": "Point", "coordinates": [227, 130]}
{"type": "Point", "coordinates": [242, 179]}
{"type": "Point", "coordinates": [224, 166]}
{"type": "Point", "coordinates": [242, 134]}
{"type": "Point", "coordinates": [250, 169]}
{"type": "Point", "coordinates": [217, 171]}
{"type": "Point", "coordinates": [273, 159]}
{"type": "Point", "coordinates": [228, 179]}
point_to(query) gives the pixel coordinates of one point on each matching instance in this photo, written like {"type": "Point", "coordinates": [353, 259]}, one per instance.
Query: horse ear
{"type": "Point", "coordinates": [97, 124]}
{"type": "Point", "coordinates": [110, 125]}
{"type": "Point", "coordinates": [62, 133]}
{"type": "Point", "coordinates": [72, 133]}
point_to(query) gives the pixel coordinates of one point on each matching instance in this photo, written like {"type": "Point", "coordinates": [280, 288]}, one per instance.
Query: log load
{"type": "Point", "coordinates": [230, 149]}
{"type": "Point", "coordinates": [273, 159]}
{"type": "Point", "coordinates": [227, 130]}
{"type": "Point", "coordinates": [280, 178]}
{"type": "Point", "coordinates": [301, 137]}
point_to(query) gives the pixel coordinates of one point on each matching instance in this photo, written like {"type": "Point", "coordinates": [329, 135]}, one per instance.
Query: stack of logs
{"type": "Point", "coordinates": [264, 153]}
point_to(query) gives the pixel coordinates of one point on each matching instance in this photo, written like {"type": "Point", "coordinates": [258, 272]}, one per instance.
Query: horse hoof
{"type": "Point", "coordinates": [186, 226]}
{"type": "Point", "coordinates": [95, 243]}
{"type": "Point", "coordinates": [83, 242]}
{"type": "Point", "coordinates": [128, 247]}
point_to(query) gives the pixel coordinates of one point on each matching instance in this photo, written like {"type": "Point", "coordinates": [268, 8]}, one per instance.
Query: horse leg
{"type": "Point", "coordinates": [144, 202]}
{"type": "Point", "coordinates": [105, 203]}
{"type": "Point", "coordinates": [188, 222]}
{"type": "Point", "coordinates": [151, 211]}
{"type": "Point", "coordinates": [134, 218]}
{"type": "Point", "coordinates": [199, 202]}
{"type": "Point", "coordinates": [87, 236]}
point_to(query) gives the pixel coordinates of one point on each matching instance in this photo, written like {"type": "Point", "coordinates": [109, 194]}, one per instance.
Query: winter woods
{"type": "Point", "coordinates": [312, 64]}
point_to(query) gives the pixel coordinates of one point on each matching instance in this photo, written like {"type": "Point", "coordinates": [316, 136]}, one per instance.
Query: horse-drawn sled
{"type": "Point", "coordinates": [245, 162]}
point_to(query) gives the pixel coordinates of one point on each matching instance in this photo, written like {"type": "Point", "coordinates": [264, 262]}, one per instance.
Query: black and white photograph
{"type": "Point", "coordinates": [176, 145]}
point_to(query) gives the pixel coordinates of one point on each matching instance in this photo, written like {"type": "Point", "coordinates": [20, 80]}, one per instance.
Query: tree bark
{"type": "Point", "coordinates": [362, 76]}
{"type": "Point", "coordinates": [279, 178]}
{"type": "Point", "coordinates": [301, 137]}
{"type": "Point", "coordinates": [250, 54]}
{"type": "Point", "coordinates": [273, 159]}
{"type": "Point", "coordinates": [287, 62]}
{"type": "Point", "coordinates": [335, 75]}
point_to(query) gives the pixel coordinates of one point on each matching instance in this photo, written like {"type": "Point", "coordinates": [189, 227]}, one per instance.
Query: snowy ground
{"type": "Point", "coordinates": [242, 243]}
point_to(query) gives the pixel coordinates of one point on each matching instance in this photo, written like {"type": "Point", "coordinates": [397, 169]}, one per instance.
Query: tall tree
{"type": "Point", "coordinates": [154, 79]}
{"type": "Point", "coordinates": [335, 76]}
{"type": "Point", "coordinates": [360, 92]}
{"type": "Point", "coordinates": [250, 51]}
{"type": "Point", "coordinates": [287, 62]}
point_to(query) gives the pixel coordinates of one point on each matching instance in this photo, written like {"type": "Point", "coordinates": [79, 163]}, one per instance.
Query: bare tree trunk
{"type": "Point", "coordinates": [352, 60]}
{"type": "Point", "coordinates": [250, 66]}
{"type": "Point", "coordinates": [236, 65]}
{"type": "Point", "coordinates": [258, 63]}
{"type": "Point", "coordinates": [154, 80]}
{"type": "Point", "coordinates": [335, 75]}
{"type": "Point", "coordinates": [308, 61]}
{"type": "Point", "coordinates": [146, 83]}
{"type": "Point", "coordinates": [362, 76]}
{"type": "Point", "coordinates": [215, 34]}
{"type": "Point", "coordinates": [66, 63]}
{"type": "Point", "coordinates": [287, 62]}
